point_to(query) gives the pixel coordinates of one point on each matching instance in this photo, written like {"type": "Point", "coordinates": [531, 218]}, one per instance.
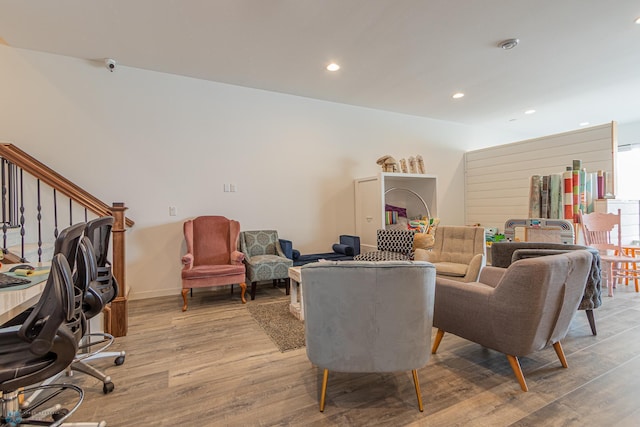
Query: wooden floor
{"type": "Point", "coordinates": [213, 366]}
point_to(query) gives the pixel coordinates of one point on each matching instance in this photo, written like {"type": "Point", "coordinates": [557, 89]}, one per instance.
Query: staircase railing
{"type": "Point", "coordinates": [30, 192]}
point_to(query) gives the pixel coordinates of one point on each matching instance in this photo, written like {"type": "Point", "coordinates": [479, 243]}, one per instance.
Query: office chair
{"type": "Point", "coordinates": [42, 346]}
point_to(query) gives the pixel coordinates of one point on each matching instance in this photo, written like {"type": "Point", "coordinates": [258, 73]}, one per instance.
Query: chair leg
{"type": "Point", "coordinates": [558, 348]}
{"type": "Point", "coordinates": [517, 370]}
{"type": "Point", "coordinates": [184, 298]}
{"type": "Point", "coordinates": [253, 290]}
{"type": "Point", "coordinates": [323, 392]}
{"type": "Point", "coordinates": [287, 285]}
{"type": "Point", "coordinates": [436, 341]}
{"type": "Point", "coordinates": [592, 321]}
{"type": "Point", "coordinates": [416, 383]}
{"type": "Point", "coordinates": [243, 287]}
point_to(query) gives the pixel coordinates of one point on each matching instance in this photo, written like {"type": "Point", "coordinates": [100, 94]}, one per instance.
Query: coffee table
{"type": "Point", "coordinates": [296, 307]}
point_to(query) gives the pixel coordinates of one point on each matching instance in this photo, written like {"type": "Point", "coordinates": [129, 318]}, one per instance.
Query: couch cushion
{"type": "Point", "coordinates": [451, 269]}
{"type": "Point", "coordinates": [212, 270]}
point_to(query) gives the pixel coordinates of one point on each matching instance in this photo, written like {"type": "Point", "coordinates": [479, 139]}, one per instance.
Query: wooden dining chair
{"type": "Point", "coordinates": [603, 231]}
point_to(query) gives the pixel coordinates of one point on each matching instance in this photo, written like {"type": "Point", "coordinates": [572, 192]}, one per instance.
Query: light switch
{"type": "Point", "coordinates": [173, 211]}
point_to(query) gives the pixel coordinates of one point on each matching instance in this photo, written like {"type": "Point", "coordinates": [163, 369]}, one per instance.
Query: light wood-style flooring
{"type": "Point", "coordinates": [214, 366]}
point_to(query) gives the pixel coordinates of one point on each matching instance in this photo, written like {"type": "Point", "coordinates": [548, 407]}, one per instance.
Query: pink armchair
{"type": "Point", "coordinates": [212, 258]}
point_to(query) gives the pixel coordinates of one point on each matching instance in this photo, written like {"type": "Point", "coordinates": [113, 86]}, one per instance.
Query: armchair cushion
{"type": "Point", "coordinates": [458, 252]}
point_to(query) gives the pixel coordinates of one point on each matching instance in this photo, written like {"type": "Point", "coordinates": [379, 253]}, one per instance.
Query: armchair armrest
{"type": "Point", "coordinates": [187, 261]}
{"type": "Point", "coordinates": [473, 271]}
{"type": "Point", "coordinates": [470, 298]}
{"type": "Point", "coordinates": [491, 276]}
{"type": "Point", "coordinates": [353, 241]}
{"type": "Point", "coordinates": [237, 257]}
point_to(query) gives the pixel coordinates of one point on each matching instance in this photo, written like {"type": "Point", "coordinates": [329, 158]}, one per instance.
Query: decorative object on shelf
{"type": "Point", "coordinates": [420, 162]}
{"type": "Point", "coordinates": [412, 165]}
{"type": "Point", "coordinates": [388, 164]}
{"type": "Point", "coordinates": [403, 166]}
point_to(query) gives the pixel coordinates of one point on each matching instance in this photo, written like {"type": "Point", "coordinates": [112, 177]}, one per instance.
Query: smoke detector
{"type": "Point", "coordinates": [509, 43]}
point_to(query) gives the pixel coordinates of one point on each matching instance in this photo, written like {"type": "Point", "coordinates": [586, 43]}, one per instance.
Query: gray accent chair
{"type": "Point", "coordinates": [366, 316]}
{"type": "Point", "coordinates": [504, 253]}
{"type": "Point", "coordinates": [518, 312]}
{"type": "Point", "coordinates": [458, 253]}
{"type": "Point", "coordinates": [264, 258]}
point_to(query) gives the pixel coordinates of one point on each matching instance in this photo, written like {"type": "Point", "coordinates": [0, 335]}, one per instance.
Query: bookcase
{"type": "Point", "coordinates": [403, 190]}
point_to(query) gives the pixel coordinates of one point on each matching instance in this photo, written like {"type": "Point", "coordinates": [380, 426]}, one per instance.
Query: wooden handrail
{"type": "Point", "coordinates": [47, 175]}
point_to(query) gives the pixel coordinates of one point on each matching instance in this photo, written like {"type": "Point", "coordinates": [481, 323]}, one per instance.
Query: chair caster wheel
{"type": "Point", "coordinates": [60, 414]}
{"type": "Point", "coordinates": [119, 360]}
{"type": "Point", "coordinates": [107, 388]}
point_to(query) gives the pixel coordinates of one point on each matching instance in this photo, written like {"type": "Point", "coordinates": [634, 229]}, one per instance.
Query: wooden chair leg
{"type": "Point", "coordinates": [436, 341]}
{"type": "Point", "coordinates": [416, 383]}
{"type": "Point", "coordinates": [184, 298]}
{"type": "Point", "coordinates": [287, 284]}
{"type": "Point", "coordinates": [558, 348]}
{"type": "Point", "coordinates": [592, 321]}
{"type": "Point", "coordinates": [517, 370]}
{"type": "Point", "coordinates": [243, 287]}
{"type": "Point", "coordinates": [323, 391]}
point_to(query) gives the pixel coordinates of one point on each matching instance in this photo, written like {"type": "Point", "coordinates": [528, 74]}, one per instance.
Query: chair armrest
{"type": "Point", "coordinates": [473, 271]}
{"type": "Point", "coordinates": [286, 248]}
{"type": "Point", "coordinates": [460, 305]}
{"type": "Point", "coordinates": [353, 241]}
{"type": "Point", "coordinates": [237, 257]}
{"type": "Point", "coordinates": [491, 276]}
{"type": "Point", "coordinates": [187, 261]}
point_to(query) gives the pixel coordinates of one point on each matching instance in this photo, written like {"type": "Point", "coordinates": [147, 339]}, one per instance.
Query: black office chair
{"type": "Point", "coordinates": [42, 346]}
{"type": "Point", "coordinates": [102, 290]}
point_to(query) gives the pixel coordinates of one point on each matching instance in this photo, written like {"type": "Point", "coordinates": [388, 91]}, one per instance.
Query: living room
{"type": "Point", "coordinates": [157, 140]}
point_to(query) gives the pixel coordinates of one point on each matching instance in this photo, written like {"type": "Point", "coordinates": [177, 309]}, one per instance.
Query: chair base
{"type": "Point", "coordinates": [254, 285]}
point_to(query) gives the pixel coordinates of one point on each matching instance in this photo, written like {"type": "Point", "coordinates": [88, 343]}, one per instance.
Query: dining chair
{"type": "Point", "coordinates": [603, 231]}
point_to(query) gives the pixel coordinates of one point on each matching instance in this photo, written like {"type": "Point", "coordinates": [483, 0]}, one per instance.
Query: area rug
{"type": "Point", "coordinates": [286, 332]}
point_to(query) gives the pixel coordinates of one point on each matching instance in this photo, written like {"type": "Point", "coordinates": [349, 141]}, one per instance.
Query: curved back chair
{"type": "Point", "coordinates": [458, 252]}
{"type": "Point", "coordinates": [364, 316]}
{"type": "Point", "coordinates": [519, 312]}
{"type": "Point", "coordinates": [212, 258]}
{"type": "Point", "coordinates": [264, 258]}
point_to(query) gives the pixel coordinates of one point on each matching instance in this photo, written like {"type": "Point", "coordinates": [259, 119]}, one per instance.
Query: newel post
{"type": "Point", "coordinates": [119, 311]}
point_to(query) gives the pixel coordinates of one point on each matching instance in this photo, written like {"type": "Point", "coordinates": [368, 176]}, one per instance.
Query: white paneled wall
{"type": "Point", "coordinates": [497, 178]}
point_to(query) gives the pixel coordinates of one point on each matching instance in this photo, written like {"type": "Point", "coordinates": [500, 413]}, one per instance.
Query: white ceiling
{"type": "Point", "coordinates": [578, 60]}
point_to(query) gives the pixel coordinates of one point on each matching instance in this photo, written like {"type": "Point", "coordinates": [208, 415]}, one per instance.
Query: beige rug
{"type": "Point", "coordinates": [286, 332]}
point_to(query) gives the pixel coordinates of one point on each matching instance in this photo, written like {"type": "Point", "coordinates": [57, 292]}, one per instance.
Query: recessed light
{"type": "Point", "coordinates": [333, 67]}
{"type": "Point", "coordinates": [530, 111]}
{"type": "Point", "coordinates": [584, 123]}
{"type": "Point", "coordinates": [458, 95]}
{"type": "Point", "coordinates": [637, 21]}
{"type": "Point", "coordinates": [509, 43]}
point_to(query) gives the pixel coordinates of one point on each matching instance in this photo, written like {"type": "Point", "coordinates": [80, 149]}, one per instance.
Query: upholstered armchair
{"type": "Point", "coordinates": [518, 312]}
{"type": "Point", "coordinates": [264, 258]}
{"type": "Point", "coordinates": [363, 316]}
{"type": "Point", "coordinates": [458, 253]}
{"type": "Point", "coordinates": [212, 258]}
{"type": "Point", "coordinates": [392, 245]}
{"type": "Point", "coordinates": [504, 253]}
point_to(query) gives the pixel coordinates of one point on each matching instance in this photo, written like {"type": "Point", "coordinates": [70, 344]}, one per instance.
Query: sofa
{"type": "Point", "coordinates": [345, 250]}
{"type": "Point", "coordinates": [504, 253]}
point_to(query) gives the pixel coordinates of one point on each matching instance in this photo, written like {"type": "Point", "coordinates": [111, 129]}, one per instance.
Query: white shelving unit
{"type": "Point", "coordinates": [372, 193]}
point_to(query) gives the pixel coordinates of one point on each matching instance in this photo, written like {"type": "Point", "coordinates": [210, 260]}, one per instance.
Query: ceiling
{"type": "Point", "coordinates": [577, 61]}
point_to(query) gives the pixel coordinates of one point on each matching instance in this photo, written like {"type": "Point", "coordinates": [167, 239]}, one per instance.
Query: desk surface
{"type": "Point", "coordinates": [14, 302]}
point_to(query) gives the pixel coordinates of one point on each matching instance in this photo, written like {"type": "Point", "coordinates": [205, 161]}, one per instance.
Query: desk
{"type": "Point", "coordinates": [14, 302]}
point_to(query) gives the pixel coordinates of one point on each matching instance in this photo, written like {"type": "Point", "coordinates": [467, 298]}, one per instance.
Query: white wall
{"type": "Point", "coordinates": [155, 140]}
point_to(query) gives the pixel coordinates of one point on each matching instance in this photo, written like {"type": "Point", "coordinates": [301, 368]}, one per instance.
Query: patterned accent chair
{"type": "Point", "coordinates": [264, 258]}
{"type": "Point", "coordinates": [212, 258]}
{"type": "Point", "coordinates": [393, 245]}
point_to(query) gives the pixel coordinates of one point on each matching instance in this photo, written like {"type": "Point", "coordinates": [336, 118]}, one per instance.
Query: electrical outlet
{"type": "Point", "coordinates": [233, 188]}
{"type": "Point", "coordinates": [227, 188]}
{"type": "Point", "coordinates": [173, 211]}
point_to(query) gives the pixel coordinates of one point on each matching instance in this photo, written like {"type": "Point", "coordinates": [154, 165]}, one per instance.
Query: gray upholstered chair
{"type": "Point", "coordinates": [458, 253]}
{"type": "Point", "coordinates": [363, 316]}
{"type": "Point", "coordinates": [504, 253]}
{"type": "Point", "coordinates": [519, 312]}
{"type": "Point", "coordinates": [392, 245]}
{"type": "Point", "coordinates": [264, 258]}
